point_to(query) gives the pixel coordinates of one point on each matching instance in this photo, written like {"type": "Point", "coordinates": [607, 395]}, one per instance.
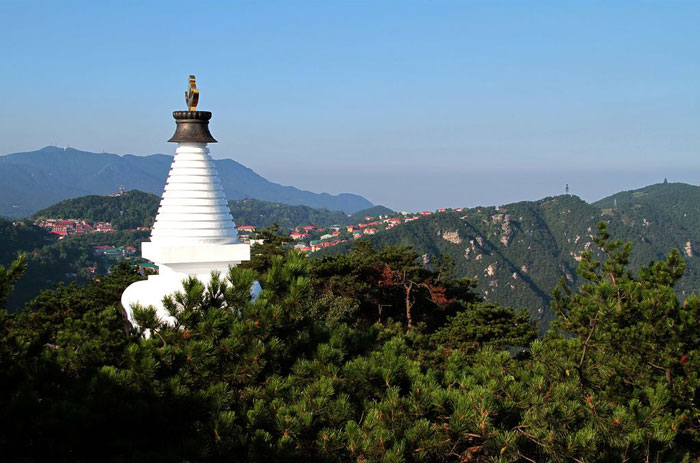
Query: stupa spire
{"type": "Point", "coordinates": [194, 232]}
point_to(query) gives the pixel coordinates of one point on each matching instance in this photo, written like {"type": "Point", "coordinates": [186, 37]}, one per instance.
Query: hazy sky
{"type": "Point", "coordinates": [411, 104]}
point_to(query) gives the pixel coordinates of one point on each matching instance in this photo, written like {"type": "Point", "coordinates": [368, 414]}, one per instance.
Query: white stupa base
{"type": "Point", "coordinates": [156, 287]}
{"type": "Point", "coordinates": [151, 292]}
{"type": "Point", "coordinates": [175, 264]}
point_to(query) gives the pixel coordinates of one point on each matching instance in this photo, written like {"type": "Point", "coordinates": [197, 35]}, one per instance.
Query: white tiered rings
{"type": "Point", "coordinates": [193, 208]}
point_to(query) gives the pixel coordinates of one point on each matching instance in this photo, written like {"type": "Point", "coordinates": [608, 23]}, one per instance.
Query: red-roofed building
{"type": "Point", "coordinates": [104, 227]}
{"type": "Point", "coordinates": [298, 236]}
{"type": "Point", "coordinates": [246, 228]}
{"type": "Point", "coordinates": [83, 228]}
{"type": "Point", "coordinates": [61, 227]}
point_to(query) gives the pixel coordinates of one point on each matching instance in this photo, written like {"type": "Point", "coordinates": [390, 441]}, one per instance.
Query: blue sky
{"type": "Point", "coordinates": [412, 104]}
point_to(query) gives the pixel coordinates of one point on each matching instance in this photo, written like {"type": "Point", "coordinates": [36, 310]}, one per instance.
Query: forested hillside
{"type": "Point", "coordinates": [130, 210]}
{"type": "Point", "coordinates": [67, 261]}
{"type": "Point", "coordinates": [520, 251]}
{"type": "Point", "coordinates": [20, 236]}
{"type": "Point", "coordinates": [50, 261]}
{"type": "Point", "coordinates": [264, 214]}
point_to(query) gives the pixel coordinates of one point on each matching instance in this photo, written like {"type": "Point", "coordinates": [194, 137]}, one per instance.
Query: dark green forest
{"type": "Point", "coordinates": [20, 236]}
{"type": "Point", "coordinates": [369, 356]}
{"type": "Point", "coordinates": [51, 261]}
{"type": "Point", "coordinates": [264, 214]}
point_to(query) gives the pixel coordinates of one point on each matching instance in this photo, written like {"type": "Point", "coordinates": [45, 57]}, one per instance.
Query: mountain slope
{"type": "Point", "coordinates": [520, 251]}
{"type": "Point", "coordinates": [21, 237]}
{"type": "Point", "coordinates": [656, 219]}
{"type": "Point", "coordinates": [35, 180]}
{"type": "Point", "coordinates": [374, 211]}
{"type": "Point", "coordinates": [264, 213]}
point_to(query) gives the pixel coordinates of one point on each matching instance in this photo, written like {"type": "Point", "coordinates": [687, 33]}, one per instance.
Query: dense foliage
{"type": "Point", "coordinates": [338, 360]}
{"type": "Point", "coordinates": [19, 237]}
{"type": "Point", "coordinates": [263, 214]}
{"type": "Point", "coordinates": [130, 210]}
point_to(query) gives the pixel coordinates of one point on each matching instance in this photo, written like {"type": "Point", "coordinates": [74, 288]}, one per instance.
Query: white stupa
{"type": "Point", "coordinates": [194, 232]}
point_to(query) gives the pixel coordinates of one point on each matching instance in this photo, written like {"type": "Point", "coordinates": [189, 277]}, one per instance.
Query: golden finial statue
{"type": "Point", "coordinates": [192, 95]}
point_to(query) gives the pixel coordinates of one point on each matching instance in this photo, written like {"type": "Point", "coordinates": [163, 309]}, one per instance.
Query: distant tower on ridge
{"type": "Point", "coordinates": [567, 189]}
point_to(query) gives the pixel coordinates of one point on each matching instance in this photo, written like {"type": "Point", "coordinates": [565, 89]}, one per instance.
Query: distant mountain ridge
{"type": "Point", "coordinates": [37, 179]}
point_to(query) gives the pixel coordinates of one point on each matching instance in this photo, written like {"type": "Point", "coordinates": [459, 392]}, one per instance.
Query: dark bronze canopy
{"type": "Point", "coordinates": [192, 127]}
